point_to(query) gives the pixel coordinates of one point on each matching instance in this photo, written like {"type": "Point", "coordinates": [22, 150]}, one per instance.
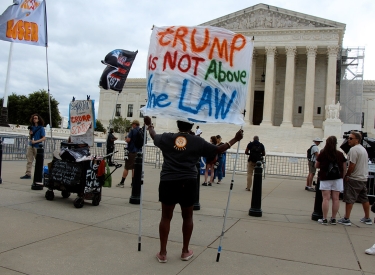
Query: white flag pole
{"type": "Point", "coordinates": [49, 94]}
{"type": "Point", "coordinates": [5, 100]}
{"type": "Point", "coordinates": [228, 202]}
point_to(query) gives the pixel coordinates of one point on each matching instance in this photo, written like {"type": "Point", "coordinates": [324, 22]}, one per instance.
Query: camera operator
{"type": "Point", "coordinates": [37, 136]}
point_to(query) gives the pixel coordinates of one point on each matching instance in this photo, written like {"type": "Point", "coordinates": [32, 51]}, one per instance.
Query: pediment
{"type": "Point", "coordinates": [263, 16]}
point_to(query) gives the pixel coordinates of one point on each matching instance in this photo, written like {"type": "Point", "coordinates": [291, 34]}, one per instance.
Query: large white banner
{"type": "Point", "coordinates": [25, 22]}
{"type": "Point", "coordinates": [198, 74]}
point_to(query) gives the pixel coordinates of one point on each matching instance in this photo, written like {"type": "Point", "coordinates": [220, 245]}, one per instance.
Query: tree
{"type": "Point", "coordinates": [21, 107]}
{"type": "Point", "coordinates": [100, 127]}
{"type": "Point", "coordinates": [120, 125]}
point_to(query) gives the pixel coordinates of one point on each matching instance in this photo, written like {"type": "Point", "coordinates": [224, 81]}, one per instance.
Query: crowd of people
{"type": "Point", "coordinates": [339, 174]}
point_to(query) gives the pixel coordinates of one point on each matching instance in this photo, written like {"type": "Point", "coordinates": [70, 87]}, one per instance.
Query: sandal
{"type": "Point", "coordinates": [187, 256]}
{"type": "Point", "coordinates": [204, 184]}
{"type": "Point", "coordinates": [209, 184]}
{"type": "Point", "coordinates": [161, 259]}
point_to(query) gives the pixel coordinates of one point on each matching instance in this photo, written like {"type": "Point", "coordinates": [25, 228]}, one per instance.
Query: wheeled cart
{"type": "Point", "coordinates": [76, 177]}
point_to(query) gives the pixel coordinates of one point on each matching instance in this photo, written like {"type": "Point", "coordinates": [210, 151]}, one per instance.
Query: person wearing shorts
{"type": "Point", "coordinates": [311, 162]}
{"type": "Point", "coordinates": [356, 179]}
{"type": "Point", "coordinates": [178, 178]}
{"type": "Point", "coordinates": [330, 187]}
{"type": "Point", "coordinates": [129, 162]}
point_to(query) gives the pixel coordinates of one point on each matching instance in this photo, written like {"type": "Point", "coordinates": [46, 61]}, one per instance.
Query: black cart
{"type": "Point", "coordinates": [69, 176]}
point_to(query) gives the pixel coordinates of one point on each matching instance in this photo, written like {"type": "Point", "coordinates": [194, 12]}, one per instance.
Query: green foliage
{"type": "Point", "coordinates": [20, 108]}
{"type": "Point", "coordinates": [120, 125]}
{"type": "Point", "coordinates": [100, 127]}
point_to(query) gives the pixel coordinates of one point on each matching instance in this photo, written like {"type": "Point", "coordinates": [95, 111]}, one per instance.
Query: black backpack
{"type": "Point", "coordinates": [138, 143]}
{"type": "Point", "coordinates": [256, 153]}
{"type": "Point", "coordinates": [333, 172]}
{"type": "Point", "coordinates": [309, 155]}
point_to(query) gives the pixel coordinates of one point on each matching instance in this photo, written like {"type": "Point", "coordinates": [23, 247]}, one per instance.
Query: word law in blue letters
{"type": "Point", "coordinates": [215, 100]}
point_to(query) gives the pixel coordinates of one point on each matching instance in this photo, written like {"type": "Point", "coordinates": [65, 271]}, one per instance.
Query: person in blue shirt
{"type": "Point", "coordinates": [37, 136]}
{"type": "Point", "coordinates": [133, 150]}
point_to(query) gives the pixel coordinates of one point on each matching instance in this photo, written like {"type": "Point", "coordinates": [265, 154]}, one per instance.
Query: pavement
{"type": "Point", "coordinates": [53, 237]}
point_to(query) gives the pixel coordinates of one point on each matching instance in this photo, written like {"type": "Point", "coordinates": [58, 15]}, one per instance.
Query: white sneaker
{"type": "Point", "coordinates": [371, 250]}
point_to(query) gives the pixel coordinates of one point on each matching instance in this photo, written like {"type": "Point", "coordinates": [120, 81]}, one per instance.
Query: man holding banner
{"type": "Point", "coordinates": [194, 74]}
{"type": "Point", "coordinates": [178, 178]}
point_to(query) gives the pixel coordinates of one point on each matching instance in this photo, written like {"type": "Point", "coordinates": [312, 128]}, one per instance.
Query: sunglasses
{"type": "Point", "coordinates": [351, 138]}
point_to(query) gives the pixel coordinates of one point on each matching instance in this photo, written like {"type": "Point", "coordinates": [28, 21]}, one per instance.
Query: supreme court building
{"type": "Point", "coordinates": [298, 74]}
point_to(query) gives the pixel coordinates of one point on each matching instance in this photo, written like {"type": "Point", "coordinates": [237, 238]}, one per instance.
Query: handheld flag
{"type": "Point", "coordinates": [198, 74]}
{"type": "Point", "coordinates": [25, 22]}
{"type": "Point", "coordinates": [118, 64]}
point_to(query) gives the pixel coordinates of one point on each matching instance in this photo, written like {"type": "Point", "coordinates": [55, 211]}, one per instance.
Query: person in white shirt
{"type": "Point", "coordinates": [198, 131]}
{"type": "Point", "coordinates": [312, 170]}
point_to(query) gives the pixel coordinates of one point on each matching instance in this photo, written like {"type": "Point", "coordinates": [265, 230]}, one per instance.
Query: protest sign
{"type": "Point", "coordinates": [81, 118]}
{"type": "Point", "coordinates": [198, 74]}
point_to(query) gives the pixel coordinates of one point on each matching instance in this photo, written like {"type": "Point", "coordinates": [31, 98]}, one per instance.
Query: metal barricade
{"type": "Point", "coordinates": [15, 149]}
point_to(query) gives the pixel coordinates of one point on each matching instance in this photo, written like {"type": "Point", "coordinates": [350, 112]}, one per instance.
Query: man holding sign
{"type": "Point", "coordinates": [194, 74]}
{"type": "Point", "coordinates": [178, 178]}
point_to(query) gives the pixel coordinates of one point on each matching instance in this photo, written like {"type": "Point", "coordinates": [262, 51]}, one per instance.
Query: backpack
{"type": "Point", "coordinates": [138, 143]}
{"type": "Point", "coordinates": [333, 172]}
{"type": "Point", "coordinates": [256, 153]}
{"type": "Point", "coordinates": [309, 155]}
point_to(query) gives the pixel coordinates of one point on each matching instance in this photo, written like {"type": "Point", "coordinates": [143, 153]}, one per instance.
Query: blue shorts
{"type": "Point", "coordinates": [180, 191]}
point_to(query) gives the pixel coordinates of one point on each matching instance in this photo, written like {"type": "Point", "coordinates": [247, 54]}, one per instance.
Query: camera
{"type": "Point", "coordinates": [29, 128]}
{"type": "Point", "coordinates": [366, 142]}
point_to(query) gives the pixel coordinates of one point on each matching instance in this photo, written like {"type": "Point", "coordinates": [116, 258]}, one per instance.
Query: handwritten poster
{"type": "Point", "coordinates": [82, 117]}
{"type": "Point", "coordinates": [198, 74]}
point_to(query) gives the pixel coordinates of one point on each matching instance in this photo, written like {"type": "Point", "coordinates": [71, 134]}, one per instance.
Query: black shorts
{"type": "Point", "coordinates": [129, 163]}
{"type": "Point", "coordinates": [180, 191]}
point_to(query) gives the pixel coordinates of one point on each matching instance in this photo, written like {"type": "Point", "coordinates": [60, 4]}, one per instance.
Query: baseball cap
{"type": "Point", "coordinates": [136, 122]}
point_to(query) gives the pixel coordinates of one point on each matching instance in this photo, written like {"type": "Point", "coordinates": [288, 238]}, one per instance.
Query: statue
{"type": "Point", "coordinates": [333, 110]}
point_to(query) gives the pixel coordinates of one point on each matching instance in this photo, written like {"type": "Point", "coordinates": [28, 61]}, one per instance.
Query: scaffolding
{"type": "Point", "coordinates": [351, 85]}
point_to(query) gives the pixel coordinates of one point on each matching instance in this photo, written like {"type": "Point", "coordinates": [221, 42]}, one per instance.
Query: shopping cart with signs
{"type": "Point", "coordinates": [81, 174]}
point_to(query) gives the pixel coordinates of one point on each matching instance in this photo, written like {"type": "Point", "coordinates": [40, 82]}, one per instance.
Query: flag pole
{"type": "Point", "coordinates": [226, 210]}
{"type": "Point", "coordinates": [229, 195]}
{"type": "Point", "coordinates": [49, 94]}
{"type": "Point", "coordinates": [141, 197]}
{"type": "Point", "coordinates": [4, 112]}
{"type": "Point", "coordinates": [114, 110]}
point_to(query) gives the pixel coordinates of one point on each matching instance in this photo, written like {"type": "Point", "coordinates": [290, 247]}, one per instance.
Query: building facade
{"type": "Point", "coordinates": [294, 78]}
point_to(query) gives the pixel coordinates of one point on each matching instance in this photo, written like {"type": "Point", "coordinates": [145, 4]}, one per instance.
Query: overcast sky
{"type": "Point", "coordinates": [82, 32]}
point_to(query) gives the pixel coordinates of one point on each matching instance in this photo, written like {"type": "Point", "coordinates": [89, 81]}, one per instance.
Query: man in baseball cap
{"type": "Point", "coordinates": [312, 154]}
{"type": "Point", "coordinates": [133, 150]}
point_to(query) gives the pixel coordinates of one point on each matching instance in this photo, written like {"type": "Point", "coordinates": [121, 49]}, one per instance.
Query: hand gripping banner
{"type": "Point", "coordinates": [118, 64]}
{"type": "Point", "coordinates": [198, 74]}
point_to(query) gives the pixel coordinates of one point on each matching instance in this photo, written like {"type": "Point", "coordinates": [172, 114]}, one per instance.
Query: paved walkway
{"type": "Point", "coordinates": [52, 237]}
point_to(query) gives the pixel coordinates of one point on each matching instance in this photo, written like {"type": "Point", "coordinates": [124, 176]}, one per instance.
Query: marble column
{"type": "Point", "coordinates": [308, 113]}
{"type": "Point", "coordinates": [250, 94]}
{"type": "Point", "coordinates": [269, 88]}
{"type": "Point", "coordinates": [289, 86]}
{"type": "Point", "coordinates": [331, 74]}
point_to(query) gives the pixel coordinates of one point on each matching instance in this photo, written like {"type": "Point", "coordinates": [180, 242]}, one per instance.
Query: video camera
{"type": "Point", "coordinates": [366, 142]}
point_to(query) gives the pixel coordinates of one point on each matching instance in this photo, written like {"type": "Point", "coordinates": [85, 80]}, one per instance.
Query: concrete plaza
{"type": "Point", "coordinates": [53, 237]}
